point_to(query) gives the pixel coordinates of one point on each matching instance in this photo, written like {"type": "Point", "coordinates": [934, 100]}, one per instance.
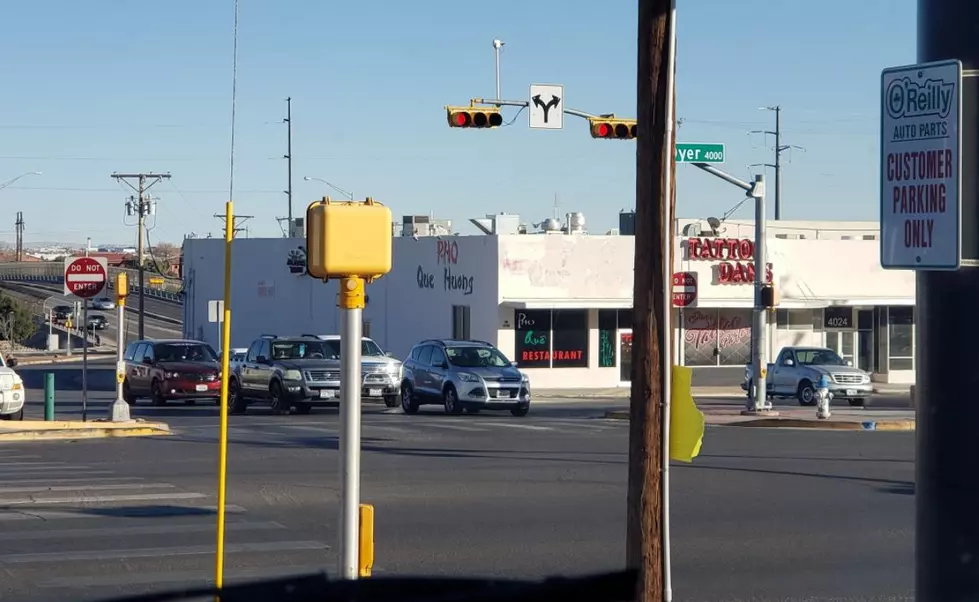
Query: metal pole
{"type": "Point", "coordinates": [350, 383]}
{"type": "Point", "coordinates": [139, 256]}
{"type": "Point", "coordinates": [289, 158]}
{"type": "Point", "coordinates": [666, 355]}
{"type": "Point", "coordinates": [119, 411]}
{"type": "Point", "coordinates": [778, 163]}
{"type": "Point", "coordinates": [84, 324]}
{"type": "Point", "coordinates": [947, 454]}
{"type": "Point", "coordinates": [759, 357]}
{"type": "Point", "coordinates": [496, 48]}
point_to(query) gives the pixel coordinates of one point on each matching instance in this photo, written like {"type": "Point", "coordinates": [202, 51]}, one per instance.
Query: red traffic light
{"type": "Point", "coordinates": [474, 117]}
{"type": "Point", "coordinates": [613, 129]}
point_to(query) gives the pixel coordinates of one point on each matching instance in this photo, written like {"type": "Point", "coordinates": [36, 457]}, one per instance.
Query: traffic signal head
{"type": "Point", "coordinates": [474, 117]}
{"type": "Point", "coordinates": [348, 239]}
{"type": "Point", "coordinates": [613, 129]}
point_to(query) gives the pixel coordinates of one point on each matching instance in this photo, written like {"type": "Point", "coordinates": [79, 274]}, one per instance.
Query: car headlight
{"type": "Point", "coordinates": [171, 374]}
{"type": "Point", "coordinates": [468, 378]}
{"type": "Point", "coordinates": [524, 378]}
{"type": "Point", "coordinates": [393, 368]}
{"type": "Point", "coordinates": [18, 385]}
{"type": "Point", "coordinates": [292, 375]}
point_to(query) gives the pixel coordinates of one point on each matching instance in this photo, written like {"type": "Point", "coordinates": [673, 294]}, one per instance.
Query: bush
{"type": "Point", "coordinates": [16, 321]}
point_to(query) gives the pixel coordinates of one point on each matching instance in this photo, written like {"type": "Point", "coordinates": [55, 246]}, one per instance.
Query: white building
{"type": "Point", "coordinates": [558, 304]}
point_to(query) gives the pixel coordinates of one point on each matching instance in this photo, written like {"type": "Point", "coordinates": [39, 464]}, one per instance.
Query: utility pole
{"type": "Point", "coordinates": [947, 451]}
{"type": "Point", "coordinates": [20, 235]}
{"type": "Point", "coordinates": [779, 149]}
{"type": "Point", "coordinates": [288, 157]}
{"type": "Point", "coordinates": [236, 227]}
{"type": "Point", "coordinates": [141, 205]}
{"type": "Point", "coordinates": [645, 514]}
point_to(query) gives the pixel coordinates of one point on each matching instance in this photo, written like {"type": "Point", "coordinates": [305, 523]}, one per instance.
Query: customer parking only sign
{"type": "Point", "coordinates": [920, 167]}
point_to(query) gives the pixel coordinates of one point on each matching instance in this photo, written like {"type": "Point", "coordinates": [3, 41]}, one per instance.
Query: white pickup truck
{"type": "Point", "coordinates": [796, 372]}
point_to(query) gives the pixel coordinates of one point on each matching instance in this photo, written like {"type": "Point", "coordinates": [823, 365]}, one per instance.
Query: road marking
{"type": "Point", "coordinates": [235, 548]}
{"type": "Point", "coordinates": [101, 499]}
{"type": "Point", "coordinates": [451, 427]}
{"type": "Point", "coordinates": [117, 486]}
{"type": "Point", "coordinates": [135, 512]}
{"type": "Point", "coordinates": [184, 578]}
{"type": "Point", "coordinates": [79, 480]}
{"type": "Point", "coordinates": [132, 531]}
{"type": "Point", "coordinates": [514, 425]}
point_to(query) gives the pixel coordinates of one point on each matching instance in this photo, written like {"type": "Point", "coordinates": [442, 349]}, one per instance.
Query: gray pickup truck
{"type": "Point", "coordinates": [796, 372]}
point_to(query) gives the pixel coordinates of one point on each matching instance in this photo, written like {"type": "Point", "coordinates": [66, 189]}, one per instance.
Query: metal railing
{"type": "Point", "coordinates": [53, 272]}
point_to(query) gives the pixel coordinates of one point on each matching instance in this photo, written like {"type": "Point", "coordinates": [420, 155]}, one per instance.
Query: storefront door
{"type": "Point", "coordinates": [842, 342]}
{"type": "Point", "coordinates": [625, 356]}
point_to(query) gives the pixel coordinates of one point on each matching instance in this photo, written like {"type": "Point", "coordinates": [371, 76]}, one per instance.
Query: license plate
{"type": "Point", "coordinates": [851, 392]}
{"type": "Point", "coordinates": [324, 394]}
{"type": "Point", "coordinates": [201, 387]}
{"type": "Point", "coordinates": [375, 392]}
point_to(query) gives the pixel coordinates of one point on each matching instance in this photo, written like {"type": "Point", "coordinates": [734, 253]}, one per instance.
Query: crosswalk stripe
{"type": "Point", "coordinates": [235, 548]}
{"type": "Point", "coordinates": [75, 480]}
{"type": "Point", "coordinates": [515, 425]}
{"type": "Point", "coordinates": [107, 487]}
{"type": "Point", "coordinates": [133, 531]}
{"type": "Point", "coordinates": [134, 512]}
{"type": "Point", "coordinates": [101, 499]}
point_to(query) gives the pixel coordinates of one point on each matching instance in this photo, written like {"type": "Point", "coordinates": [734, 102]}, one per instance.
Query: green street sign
{"type": "Point", "coordinates": [700, 153]}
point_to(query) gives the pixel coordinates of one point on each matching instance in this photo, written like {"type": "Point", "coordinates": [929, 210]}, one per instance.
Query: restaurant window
{"type": "Point", "coordinates": [607, 336]}
{"type": "Point", "coordinates": [569, 341]}
{"type": "Point", "coordinates": [532, 341]}
{"type": "Point", "coordinates": [460, 322]}
{"type": "Point", "coordinates": [700, 337]}
{"type": "Point", "coordinates": [900, 337]}
{"type": "Point", "coordinates": [734, 336]}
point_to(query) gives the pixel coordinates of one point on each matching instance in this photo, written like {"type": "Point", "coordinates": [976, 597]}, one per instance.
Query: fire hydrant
{"type": "Point", "coordinates": [823, 397]}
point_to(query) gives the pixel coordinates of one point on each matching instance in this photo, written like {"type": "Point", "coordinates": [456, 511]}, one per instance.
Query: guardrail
{"type": "Point", "coordinates": [53, 272]}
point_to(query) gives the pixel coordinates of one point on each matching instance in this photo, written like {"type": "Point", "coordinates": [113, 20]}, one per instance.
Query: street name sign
{"type": "Point", "coordinates": [700, 153]}
{"type": "Point", "coordinates": [546, 106]}
{"type": "Point", "coordinates": [921, 166]}
{"type": "Point", "coordinates": [85, 277]}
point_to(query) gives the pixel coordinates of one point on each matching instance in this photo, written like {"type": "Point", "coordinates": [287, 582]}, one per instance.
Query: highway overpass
{"type": "Point", "coordinates": [52, 272]}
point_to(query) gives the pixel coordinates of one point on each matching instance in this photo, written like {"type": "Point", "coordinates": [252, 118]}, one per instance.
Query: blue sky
{"type": "Point", "coordinates": [97, 87]}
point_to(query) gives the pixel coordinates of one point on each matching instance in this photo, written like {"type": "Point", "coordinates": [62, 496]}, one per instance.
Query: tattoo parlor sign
{"type": "Point", "coordinates": [735, 258]}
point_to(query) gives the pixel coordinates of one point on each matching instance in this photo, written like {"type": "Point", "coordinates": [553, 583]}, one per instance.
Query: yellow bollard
{"type": "Point", "coordinates": [366, 559]}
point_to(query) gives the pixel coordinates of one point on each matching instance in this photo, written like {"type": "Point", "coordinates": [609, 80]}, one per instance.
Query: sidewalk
{"type": "Point", "coordinates": [97, 353]}
{"type": "Point", "coordinates": [40, 430]}
{"type": "Point", "coordinates": [698, 392]}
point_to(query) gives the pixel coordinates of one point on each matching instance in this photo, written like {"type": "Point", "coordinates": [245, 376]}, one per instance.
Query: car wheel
{"type": "Point", "coordinates": [18, 415]}
{"type": "Point", "coordinates": [520, 411]}
{"type": "Point", "coordinates": [857, 403]}
{"type": "Point", "coordinates": [156, 394]}
{"type": "Point", "coordinates": [127, 393]}
{"type": "Point", "coordinates": [409, 405]}
{"type": "Point", "coordinates": [303, 408]}
{"type": "Point", "coordinates": [806, 394]}
{"type": "Point", "coordinates": [236, 401]}
{"type": "Point", "coordinates": [391, 401]}
{"type": "Point", "coordinates": [277, 399]}
{"type": "Point", "coordinates": [450, 400]}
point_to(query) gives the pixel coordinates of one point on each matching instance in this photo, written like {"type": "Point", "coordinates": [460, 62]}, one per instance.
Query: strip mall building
{"type": "Point", "coordinates": [559, 303]}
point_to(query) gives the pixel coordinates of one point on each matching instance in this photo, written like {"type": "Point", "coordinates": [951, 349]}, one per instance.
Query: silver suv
{"type": "Point", "coordinates": [381, 372]}
{"type": "Point", "coordinates": [463, 375]}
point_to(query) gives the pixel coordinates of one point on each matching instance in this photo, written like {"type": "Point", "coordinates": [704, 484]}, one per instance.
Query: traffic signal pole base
{"type": "Point", "coordinates": [119, 411]}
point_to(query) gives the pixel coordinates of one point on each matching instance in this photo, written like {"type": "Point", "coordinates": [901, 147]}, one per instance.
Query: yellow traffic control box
{"type": "Point", "coordinates": [366, 560]}
{"type": "Point", "coordinates": [348, 239]}
{"type": "Point", "coordinates": [122, 287]}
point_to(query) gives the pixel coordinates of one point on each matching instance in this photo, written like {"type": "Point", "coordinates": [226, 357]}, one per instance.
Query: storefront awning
{"type": "Point", "coordinates": [568, 303]}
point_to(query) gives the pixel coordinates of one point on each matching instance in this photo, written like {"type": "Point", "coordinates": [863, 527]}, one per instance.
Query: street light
{"type": "Point", "coordinates": [23, 175]}
{"type": "Point", "coordinates": [349, 195]}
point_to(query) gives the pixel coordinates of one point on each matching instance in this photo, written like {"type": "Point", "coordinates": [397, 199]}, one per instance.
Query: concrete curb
{"type": "Point", "coordinates": [36, 361]}
{"type": "Point", "coordinates": [39, 430]}
{"type": "Point", "coordinates": [802, 423]}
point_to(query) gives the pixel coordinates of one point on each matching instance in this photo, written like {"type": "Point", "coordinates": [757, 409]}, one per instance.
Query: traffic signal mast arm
{"type": "Point", "coordinates": [485, 113]}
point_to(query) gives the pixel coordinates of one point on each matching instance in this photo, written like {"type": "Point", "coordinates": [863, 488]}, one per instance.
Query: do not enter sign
{"type": "Point", "coordinates": [85, 277]}
{"type": "Point", "coordinates": [684, 289]}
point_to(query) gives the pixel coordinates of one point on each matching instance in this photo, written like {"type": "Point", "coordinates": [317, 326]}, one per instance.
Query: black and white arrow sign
{"type": "Point", "coordinates": [546, 107]}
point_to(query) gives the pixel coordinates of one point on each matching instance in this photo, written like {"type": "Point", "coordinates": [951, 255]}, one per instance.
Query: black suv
{"type": "Point", "coordinates": [463, 375]}
{"type": "Point", "coordinates": [288, 373]}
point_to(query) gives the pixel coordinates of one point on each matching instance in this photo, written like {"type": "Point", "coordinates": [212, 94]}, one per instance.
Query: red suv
{"type": "Point", "coordinates": [171, 369]}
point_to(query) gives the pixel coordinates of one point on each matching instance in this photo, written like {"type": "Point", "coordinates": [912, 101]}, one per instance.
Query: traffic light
{"type": "Point", "coordinates": [611, 128]}
{"type": "Point", "coordinates": [474, 117]}
{"type": "Point", "coordinates": [769, 296]}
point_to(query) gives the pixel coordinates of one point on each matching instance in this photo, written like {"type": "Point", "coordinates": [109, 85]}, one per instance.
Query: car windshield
{"type": "Point", "coordinates": [302, 350]}
{"type": "Point", "coordinates": [818, 357]}
{"type": "Point", "coordinates": [368, 348]}
{"type": "Point", "coordinates": [184, 352]}
{"type": "Point", "coordinates": [476, 357]}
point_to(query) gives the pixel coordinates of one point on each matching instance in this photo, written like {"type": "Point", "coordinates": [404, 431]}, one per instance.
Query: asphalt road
{"type": "Point", "coordinates": [761, 515]}
{"type": "Point", "coordinates": [155, 329]}
{"type": "Point", "coordinates": [152, 305]}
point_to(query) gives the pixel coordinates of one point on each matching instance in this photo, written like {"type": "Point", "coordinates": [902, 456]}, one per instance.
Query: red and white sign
{"type": "Point", "coordinates": [684, 288]}
{"type": "Point", "coordinates": [85, 277]}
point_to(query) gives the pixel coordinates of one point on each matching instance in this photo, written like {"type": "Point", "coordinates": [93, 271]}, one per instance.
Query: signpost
{"type": "Point", "coordinates": [215, 315]}
{"type": "Point", "coordinates": [921, 167]}
{"type": "Point", "coordinates": [684, 289]}
{"type": "Point", "coordinates": [85, 277]}
{"type": "Point", "coordinates": [546, 107]}
{"type": "Point", "coordinates": [700, 153]}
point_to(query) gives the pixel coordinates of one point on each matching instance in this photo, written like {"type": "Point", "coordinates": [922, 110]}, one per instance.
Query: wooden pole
{"type": "Point", "coordinates": [644, 549]}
